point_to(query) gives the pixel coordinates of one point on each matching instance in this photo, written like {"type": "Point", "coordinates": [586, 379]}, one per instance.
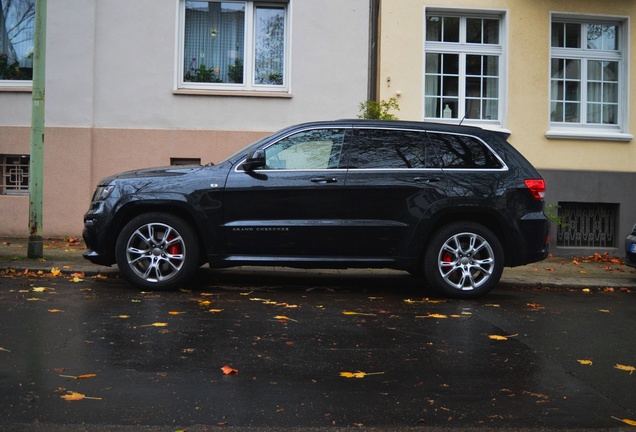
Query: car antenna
{"type": "Point", "coordinates": [462, 120]}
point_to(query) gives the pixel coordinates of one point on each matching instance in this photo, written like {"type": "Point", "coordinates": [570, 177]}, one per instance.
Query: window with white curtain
{"type": "Point", "coordinates": [464, 67]}
{"type": "Point", "coordinates": [17, 25]}
{"type": "Point", "coordinates": [586, 74]}
{"type": "Point", "coordinates": [234, 45]}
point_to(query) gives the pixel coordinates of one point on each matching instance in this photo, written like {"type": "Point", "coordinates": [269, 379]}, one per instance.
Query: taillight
{"type": "Point", "coordinates": [537, 187]}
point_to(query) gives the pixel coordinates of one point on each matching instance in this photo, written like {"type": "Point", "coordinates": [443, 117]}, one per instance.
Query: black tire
{"type": "Point", "coordinates": [463, 260]}
{"type": "Point", "coordinates": [157, 251]}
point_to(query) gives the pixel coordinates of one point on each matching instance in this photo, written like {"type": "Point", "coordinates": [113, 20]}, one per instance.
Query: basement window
{"type": "Point", "coordinates": [15, 174]}
{"type": "Point", "coordinates": [587, 225]}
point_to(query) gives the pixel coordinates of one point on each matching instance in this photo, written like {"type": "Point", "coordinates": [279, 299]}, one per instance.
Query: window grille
{"type": "Point", "coordinates": [15, 174]}
{"type": "Point", "coordinates": [591, 225]}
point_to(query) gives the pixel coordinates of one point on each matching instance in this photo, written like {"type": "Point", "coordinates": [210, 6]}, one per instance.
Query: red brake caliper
{"type": "Point", "coordinates": [447, 258]}
{"type": "Point", "coordinates": [173, 249]}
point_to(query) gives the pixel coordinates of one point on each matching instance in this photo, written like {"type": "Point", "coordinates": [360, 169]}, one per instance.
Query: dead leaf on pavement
{"type": "Point", "coordinates": [74, 396]}
{"type": "Point", "coordinates": [585, 362]}
{"type": "Point", "coordinates": [435, 315]}
{"type": "Point", "coordinates": [55, 310]}
{"type": "Point", "coordinates": [626, 421]}
{"type": "Point", "coordinates": [359, 374]}
{"type": "Point", "coordinates": [229, 370]}
{"type": "Point", "coordinates": [629, 369]}
{"type": "Point", "coordinates": [284, 318]}
{"type": "Point", "coordinates": [4, 349]}
{"type": "Point", "coordinates": [358, 313]}
{"type": "Point", "coordinates": [157, 324]}
{"type": "Point", "coordinates": [79, 377]}
{"type": "Point", "coordinates": [501, 338]}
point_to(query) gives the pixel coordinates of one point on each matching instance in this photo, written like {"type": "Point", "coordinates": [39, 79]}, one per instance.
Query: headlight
{"type": "Point", "coordinates": [102, 192]}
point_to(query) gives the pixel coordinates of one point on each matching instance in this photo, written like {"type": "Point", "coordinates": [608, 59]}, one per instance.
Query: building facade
{"type": "Point", "coordinates": [146, 83]}
{"type": "Point", "coordinates": [149, 83]}
{"type": "Point", "coordinates": [555, 75]}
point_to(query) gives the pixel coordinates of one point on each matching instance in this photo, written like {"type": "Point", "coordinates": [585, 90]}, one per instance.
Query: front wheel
{"type": "Point", "coordinates": [463, 260]}
{"type": "Point", "coordinates": [157, 251]}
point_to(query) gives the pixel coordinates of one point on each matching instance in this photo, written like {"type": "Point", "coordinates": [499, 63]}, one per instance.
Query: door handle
{"type": "Point", "coordinates": [323, 180]}
{"type": "Point", "coordinates": [426, 179]}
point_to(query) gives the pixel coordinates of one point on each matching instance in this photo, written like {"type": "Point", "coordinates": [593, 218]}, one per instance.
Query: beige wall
{"type": "Point", "coordinates": [528, 65]}
{"type": "Point", "coordinates": [70, 177]}
{"type": "Point", "coordinates": [111, 103]}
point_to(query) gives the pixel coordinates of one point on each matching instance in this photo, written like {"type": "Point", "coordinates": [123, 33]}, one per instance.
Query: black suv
{"type": "Point", "coordinates": [453, 203]}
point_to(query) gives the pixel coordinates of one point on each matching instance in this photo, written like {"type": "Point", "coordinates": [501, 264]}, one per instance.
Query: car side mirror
{"type": "Point", "coordinates": [255, 159]}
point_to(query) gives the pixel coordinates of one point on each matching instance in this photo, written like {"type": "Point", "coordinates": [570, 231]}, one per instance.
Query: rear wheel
{"type": "Point", "coordinates": [157, 251]}
{"type": "Point", "coordinates": [463, 260]}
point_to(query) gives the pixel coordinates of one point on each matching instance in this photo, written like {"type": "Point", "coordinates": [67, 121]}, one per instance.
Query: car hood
{"type": "Point", "coordinates": [167, 171]}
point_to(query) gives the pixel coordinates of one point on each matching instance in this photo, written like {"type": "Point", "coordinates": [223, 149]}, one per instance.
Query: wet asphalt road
{"type": "Point", "coordinates": [311, 351]}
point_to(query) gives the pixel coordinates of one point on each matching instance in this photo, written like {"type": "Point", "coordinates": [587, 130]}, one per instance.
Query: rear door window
{"type": "Point", "coordinates": [393, 149]}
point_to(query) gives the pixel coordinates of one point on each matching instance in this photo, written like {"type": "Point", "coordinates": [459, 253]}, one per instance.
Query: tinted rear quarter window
{"type": "Point", "coordinates": [389, 148]}
{"type": "Point", "coordinates": [463, 151]}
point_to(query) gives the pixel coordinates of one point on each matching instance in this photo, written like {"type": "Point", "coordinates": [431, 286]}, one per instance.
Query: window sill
{"type": "Point", "coordinates": [232, 93]}
{"type": "Point", "coordinates": [16, 89]}
{"type": "Point", "coordinates": [582, 134]}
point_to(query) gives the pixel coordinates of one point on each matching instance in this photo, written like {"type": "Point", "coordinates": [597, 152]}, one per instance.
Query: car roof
{"type": "Point", "coordinates": [402, 124]}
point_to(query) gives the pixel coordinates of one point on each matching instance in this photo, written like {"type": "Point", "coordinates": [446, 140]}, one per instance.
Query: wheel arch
{"type": "Point", "coordinates": [133, 209]}
{"type": "Point", "coordinates": [493, 221]}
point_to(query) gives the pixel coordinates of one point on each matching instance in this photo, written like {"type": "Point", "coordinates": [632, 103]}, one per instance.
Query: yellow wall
{"type": "Point", "coordinates": [528, 69]}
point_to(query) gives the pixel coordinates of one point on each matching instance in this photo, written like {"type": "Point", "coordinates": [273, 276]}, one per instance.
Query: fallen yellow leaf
{"type": "Point", "coordinates": [358, 374]}
{"type": "Point", "coordinates": [629, 369]}
{"type": "Point", "coordinates": [357, 313]}
{"type": "Point", "coordinates": [175, 313]}
{"type": "Point", "coordinates": [215, 310]}
{"type": "Point", "coordinates": [585, 362]}
{"type": "Point", "coordinates": [439, 316]}
{"type": "Point", "coordinates": [85, 376]}
{"type": "Point", "coordinates": [38, 289]}
{"type": "Point", "coordinates": [626, 421]}
{"type": "Point", "coordinates": [501, 338]}
{"type": "Point", "coordinates": [4, 349]}
{"type": "Point", "coordinates": [55, 271]}
{"type": "Point", "coordinates": [74, 396]}
{"type": "Point", "coordinates": [55, 310]}
{"type": "Point", "coordinates": [121, 316]}
{"type": "Point", "coordinates": [157, 324]}
{"type": "Point", "coordinates": [284, 318]}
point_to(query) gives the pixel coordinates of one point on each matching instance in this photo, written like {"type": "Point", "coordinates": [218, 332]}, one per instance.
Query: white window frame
{"type": "Point", "coordinates": [248, 87]}
{"type": "Point", "coordinates": [583, 130]}
{"type": "Point", "coordinates": [462, 48]}
{"type": "Point", "coordinates": [17, 85]}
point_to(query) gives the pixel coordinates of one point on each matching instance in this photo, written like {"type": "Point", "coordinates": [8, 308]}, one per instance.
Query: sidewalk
{"type": "Point", "coordinates": [594, 272]}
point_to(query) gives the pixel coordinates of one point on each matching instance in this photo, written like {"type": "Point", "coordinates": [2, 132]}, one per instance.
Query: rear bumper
{"type": "Point", "coordinates": [534, 245]}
